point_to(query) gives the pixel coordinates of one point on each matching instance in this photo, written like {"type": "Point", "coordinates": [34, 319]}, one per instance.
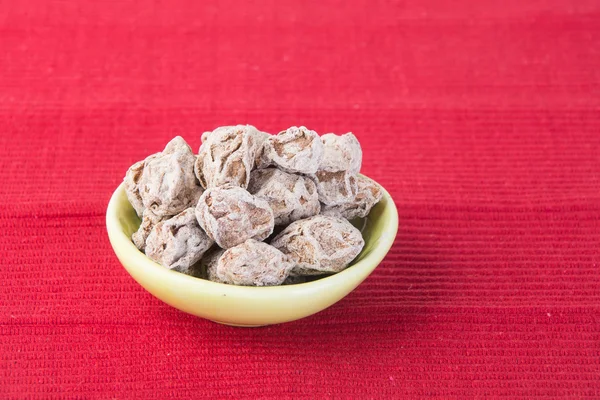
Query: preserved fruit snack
{"type": "Point", "coordinates": [253, 263]}
{"type": "Point", "coordinates": [178, 243]}
{"type": "Point", "coordinates": [295, 150]}
{"type": "Point", "coordinates": [227, 155]}
{"type": "Point", "coordinates": [335, 187]}
{"type": "Point", "coordinates": [291, 197]}
{"type": "Point", "coordinates": [341, 153]}
{"type": "Point", "coordinates": [230, 215]}
{"type": "Point", "coordinates": [319, 244]}
{"type": "Point", "coordinates": [368, 194]}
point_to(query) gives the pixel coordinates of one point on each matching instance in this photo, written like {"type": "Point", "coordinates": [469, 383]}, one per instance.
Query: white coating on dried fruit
{"type": "Point", "coordinates": [295, 150]}
{"type": "Point", "coordinates": [230, 215]}
{"type": "Point", "coordinates": [161, 186]}
{"type": "Point", "coordinates": [178, 243]}
{"type": "Point", "coordinates": [227, 155]}
{"type": "Point", "coordinates": [368, 194]}
{"type": "Point", "coordinates": [209, 264]}
{"type": "Point", "coordinates": [308, 176]}
{"type": "Point", "coordinates": [132, 186]}
{"type": "Point", "coordinates": [253, 263]}
{"type": "Point", "coordinates": [291, 197]}
{"type": "Point", "coordinates": [262, 139]}
{"type": "Point", "coordinates": [149, 220]}
{"type": "Point", "coordinates": [167, 184]}
{"type": "Point", "coordinates": [335, 187]}
{"type": "Point", "coordinates": [341, 153]}
{"type": "Point", "coordinates": [319, 244]}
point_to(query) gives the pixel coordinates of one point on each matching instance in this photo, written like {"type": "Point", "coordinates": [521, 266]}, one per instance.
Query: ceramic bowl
{"type": "Point", "coordinates": [241, 305]}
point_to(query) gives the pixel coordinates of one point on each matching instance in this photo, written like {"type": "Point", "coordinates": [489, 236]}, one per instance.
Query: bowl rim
{"type": "Point", "coordinates": [125, 249]}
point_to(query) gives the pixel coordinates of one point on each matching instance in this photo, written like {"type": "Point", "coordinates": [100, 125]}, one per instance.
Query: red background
{"type": "Point", "coordinates": [482, 119]}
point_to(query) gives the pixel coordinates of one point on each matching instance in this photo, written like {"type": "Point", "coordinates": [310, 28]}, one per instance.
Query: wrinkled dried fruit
{"type": "Point", "coordinates": [161, 186]}
{"type": "Point", "coordinates": [335, 187]}
{"type": "Point", "coordinates": [261, 136]}
{"type": "Point", "coordinates": [303, 183]}
{"type": "Point", "coordinates": [253, 263]}
{"type": "Point", "coordinates": [295, 150]}
{"type": "Point", "coordinates": [149, 220]}
{"type": "Point", "coordinates": [132, 188]}
{"type": "Point", "coordinates": [209, 264]}
{"type": "Point", "coordinates": [368, 194]}
{"type": "Point", "coordinates": [227, 155]}
{"type": "Point", "coordinates": [341, 153]}
{"type": "Point", "coordinates": [292, 197]}
{"type": "Point", "coordinates": [179, 242]}
{"type": "Point", "coordinates": [261, 140]}
{"type": "Point", "coordinates": [319, 244]}
{"type": "Point", "coordinates": [164, 182]}
{"type": "Point", "coordinates": [230, 215]}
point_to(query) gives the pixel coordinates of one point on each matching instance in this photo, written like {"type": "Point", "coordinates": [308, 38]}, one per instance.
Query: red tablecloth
{"type": "Point", "coordinates": [482, 119]}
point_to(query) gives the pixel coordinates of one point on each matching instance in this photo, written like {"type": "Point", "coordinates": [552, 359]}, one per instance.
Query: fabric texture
{"type": "Point", "coordinates": [481, 118]}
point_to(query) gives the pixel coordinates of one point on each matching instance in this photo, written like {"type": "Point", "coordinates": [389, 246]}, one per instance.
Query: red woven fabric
{"type": "Point", "coordinates": [482, 119]}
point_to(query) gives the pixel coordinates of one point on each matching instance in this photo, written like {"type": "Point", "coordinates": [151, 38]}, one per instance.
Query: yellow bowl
{"type": "Point", "coordinates": [241, 305]}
